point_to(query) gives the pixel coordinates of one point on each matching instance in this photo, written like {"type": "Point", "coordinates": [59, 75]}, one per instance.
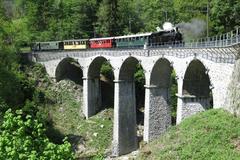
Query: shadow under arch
{"type": "Point", "coordinates": [125, 115]}
{"type": "Point", "coordinates": [100, 85]}
{"type": "Point", "coordinates": [197, 94]}
{"type": "Point", "coordinates": [69, 68]}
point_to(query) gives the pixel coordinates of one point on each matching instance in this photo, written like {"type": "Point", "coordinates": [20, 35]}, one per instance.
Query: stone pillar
{"type": "Point", "coordinates": [188, 105]}
{"type": "Point", "coordinates": [157, 117]}
{"type": "Point", "coordinates": [91, 96]}
{"type": "Point", "coordinates": [179, 100]}
{"type": "Point", "coordinates": [124, 127]}
{"type": "Point", "coordinates": [193, 105]}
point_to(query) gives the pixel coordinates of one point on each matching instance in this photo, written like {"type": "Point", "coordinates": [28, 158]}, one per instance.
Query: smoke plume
{"type": "Point", "coordinates": [193, 29]}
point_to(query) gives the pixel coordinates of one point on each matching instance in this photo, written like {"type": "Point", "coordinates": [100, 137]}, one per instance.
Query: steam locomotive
{"type": "Point", "coordinates": [163, 37]}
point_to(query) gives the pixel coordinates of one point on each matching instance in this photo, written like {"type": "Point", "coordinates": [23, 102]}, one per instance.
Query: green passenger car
{"type": "Point", "coordinates": [53, 45]}
{"type": "Point", "coordinates": [132, 41]}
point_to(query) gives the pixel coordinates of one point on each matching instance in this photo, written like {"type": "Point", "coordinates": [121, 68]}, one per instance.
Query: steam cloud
{"type": "Point", "coordinates": [192, 30]}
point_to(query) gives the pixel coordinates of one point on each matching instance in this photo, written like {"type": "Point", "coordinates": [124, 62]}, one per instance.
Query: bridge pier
{"type": "Point", "coordinates": [157, 116]}
{"type": "Point", "coordinates": [91, 96]}
{"type": "Point", "coordinates": [179, 100]}
{"type": "Point", "coordinates": [124, 129]}
{"type": "Point", "coordinates": [192, 105]}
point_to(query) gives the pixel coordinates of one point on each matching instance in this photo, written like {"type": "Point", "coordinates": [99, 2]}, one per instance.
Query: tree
{"type": "Point", "coordinates": [225, 15]}
{"type": "Point", "coordinates": [155, 12]}
{"type": "Point", "coordinates": [107, 23]}
{"type": "Point", "coordinates": [23, 137]}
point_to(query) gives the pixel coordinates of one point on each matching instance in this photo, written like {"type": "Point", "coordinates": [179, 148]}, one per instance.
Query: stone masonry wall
{"type": "Point", "coordinates": [194, 105]}
{"type": "Point", "coordinates": [233, 100]}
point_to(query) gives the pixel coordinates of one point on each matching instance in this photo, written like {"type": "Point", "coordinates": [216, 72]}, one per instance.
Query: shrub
{"type": "Point", "coordinates": [23, 137]}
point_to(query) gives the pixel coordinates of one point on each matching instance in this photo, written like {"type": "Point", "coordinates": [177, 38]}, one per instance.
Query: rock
{"type": "Point", "coordinates": [95, 134]}
{"type": "Point", "coordinates": [102, 126]}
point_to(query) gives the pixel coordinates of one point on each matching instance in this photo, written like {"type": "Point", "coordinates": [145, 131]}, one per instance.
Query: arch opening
{"type": "Point", "coordinates": [197, 93]}
{"type": "Point", "coordinates": [162, 101]}
{"type": "Point", "coordinates": [100, 85]}
{"type": "Point", "coordinates": [69, 68]}
{"type": "Point", "coordinates": [129, 118]}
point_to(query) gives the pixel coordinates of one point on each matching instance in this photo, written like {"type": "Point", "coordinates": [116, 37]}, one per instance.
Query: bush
{"type": "Point", "coordinates": [23, 137]}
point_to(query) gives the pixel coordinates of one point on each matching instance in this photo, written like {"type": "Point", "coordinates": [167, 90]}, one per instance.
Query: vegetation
{"type": "Point", "coordinates": [64, 118]}
{"type": "Point", "coordinates": [214, 134]}
{"type": "Point", "coordinates": [31, 110]}
{"type": "Point", "coordinates": [22, 136]}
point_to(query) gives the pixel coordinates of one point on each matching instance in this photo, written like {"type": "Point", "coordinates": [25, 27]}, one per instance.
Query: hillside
{"type": "Point", "coordinates": [214, 134]}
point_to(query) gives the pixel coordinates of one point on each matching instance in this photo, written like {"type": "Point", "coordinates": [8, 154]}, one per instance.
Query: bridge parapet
{"type": "Point", "coordinates": [218, 55]}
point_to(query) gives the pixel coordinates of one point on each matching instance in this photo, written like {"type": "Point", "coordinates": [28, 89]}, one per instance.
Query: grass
{"type": "Point", "coordinates": [60, 107]}
{"type": "Point", "coordinates": [88, 137]}
{"type": "Point", "coordinates": [214, 134]}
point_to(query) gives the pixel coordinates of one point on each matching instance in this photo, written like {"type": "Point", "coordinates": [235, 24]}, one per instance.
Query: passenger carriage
{"type": "Point", "coordinates": [102, 42]}
{"type": "Point", "coordinates": [44, 46]}
{"type": "Point", "coordinates": [137, 40]}
{"type": "Point", "coordinates": [75, 44]}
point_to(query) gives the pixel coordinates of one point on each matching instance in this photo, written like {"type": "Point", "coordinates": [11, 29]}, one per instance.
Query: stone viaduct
{"type": "Point", "coordinates": [203, 69]}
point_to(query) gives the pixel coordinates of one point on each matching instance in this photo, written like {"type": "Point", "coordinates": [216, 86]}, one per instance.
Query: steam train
{"type": "Point", "coordinates": [163, 37]}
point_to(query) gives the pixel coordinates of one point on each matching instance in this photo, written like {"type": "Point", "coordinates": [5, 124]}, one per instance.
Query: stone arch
{"type": "Point", "coordinates": [158, 110]}
{"type": "Point", "coordinates": [128, 69]}
{"type": "Point", "coordinates": [161, 72]}
{"type": "Point", "coordinates": [69, 68]}
{"type": "Point", "coordinates": [197, 95]}
{"type": "Point", "coordinates": [125, 130]}
{"type": "Point", "coordinates": [196, 80]}
{"type": "Point", "coordinates": [95, 85]}
{"type": "Point", "coordinates": [95, 66]}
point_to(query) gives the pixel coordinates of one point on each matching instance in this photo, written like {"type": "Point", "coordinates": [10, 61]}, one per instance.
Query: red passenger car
{"type": "Point", "coordinates": [101, 42]}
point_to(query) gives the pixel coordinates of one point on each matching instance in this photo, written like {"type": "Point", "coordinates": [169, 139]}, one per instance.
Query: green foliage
{"type": "Point", "coordinates": [173, 92]}
{"type": "Point", "coordinates": [106, 70]}
{"type": "Point", "coordinates": [214, 134]}
{"type": "Point", "coordinates": [139, 76]}
{"type": "Point", "coordinates": [225, 15]}
{"type": "Point", "coordinates": [64, 118]}
{"type": "Point", "coordinates": [107, 14]}
{"type": "Point", "coordinates": [45, 20]}
{"type": "Point", "coordinates": [22, 137]}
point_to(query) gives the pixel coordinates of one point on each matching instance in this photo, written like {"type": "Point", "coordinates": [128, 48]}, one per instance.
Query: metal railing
{"type": "Point", "coordinates": [223, 40]}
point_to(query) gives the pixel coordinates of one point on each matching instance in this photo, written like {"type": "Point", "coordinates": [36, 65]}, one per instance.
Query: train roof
{"type": "Point", "coordinates": [73, 40]}
{"type": "Point", "coordinates": [49, 42]}
{"type": "Point", "coordinates": [134, 35]}
{"type": "Point", "coordinates": [105, 38]}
